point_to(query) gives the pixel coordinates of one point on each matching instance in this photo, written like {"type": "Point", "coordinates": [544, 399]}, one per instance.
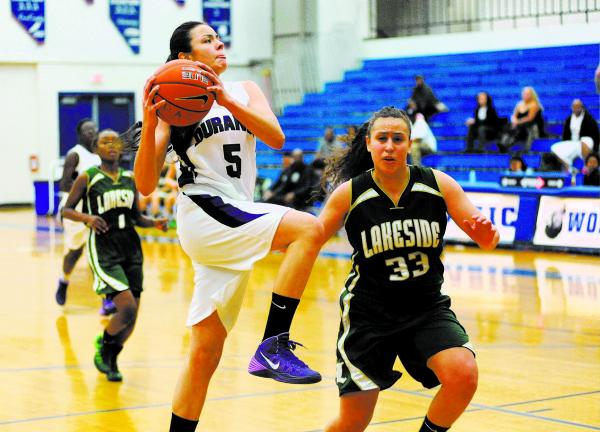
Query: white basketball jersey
{"type": "Point", "coordinates": [220, 157]}
{"type": "Point", "coordinates": [87, 159]}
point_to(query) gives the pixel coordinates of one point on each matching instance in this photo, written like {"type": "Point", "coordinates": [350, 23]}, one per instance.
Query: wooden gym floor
{"type": "Point", "coordinates": [534, 319]}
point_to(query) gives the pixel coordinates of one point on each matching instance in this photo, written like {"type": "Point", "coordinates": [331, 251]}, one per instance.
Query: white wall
{"type": "Point", "coordinates": [574, 34]}
{"type": "Point", "coordinates": [84, 52]}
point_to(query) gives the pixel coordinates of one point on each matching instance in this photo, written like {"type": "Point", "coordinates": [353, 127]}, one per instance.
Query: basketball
{"type": "Point", "coordinates": [183, 86]}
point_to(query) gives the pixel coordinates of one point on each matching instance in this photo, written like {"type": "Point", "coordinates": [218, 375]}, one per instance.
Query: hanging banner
{"type": "Point", "coordinates": [180, 2]}
{"type": "Point", "coordinates": [125, 15]}
{"type": "Point", "coordinates": [217, 14]}
{"type": "Point", "coordinates": [32, 15]}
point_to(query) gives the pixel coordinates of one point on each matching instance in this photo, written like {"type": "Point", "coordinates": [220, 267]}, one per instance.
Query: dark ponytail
{"type": "Point", "coordinates": [180, 39]}
{"type": "Point", "coordinates": [131, 138]}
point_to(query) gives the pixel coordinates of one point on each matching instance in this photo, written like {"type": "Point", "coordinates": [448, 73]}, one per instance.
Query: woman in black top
{"type": "Point", "coordinates": [395, 216]}
{"type": "Point", "coordinates": [485, 124]}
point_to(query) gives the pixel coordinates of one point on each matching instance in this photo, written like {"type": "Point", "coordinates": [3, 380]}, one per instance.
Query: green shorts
{"type": "Point", "coordinates": [116, 260]}
{"type": "Point", "coordinates": [368, 343]}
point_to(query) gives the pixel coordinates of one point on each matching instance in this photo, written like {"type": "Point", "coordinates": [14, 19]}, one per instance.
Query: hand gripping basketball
{"type": "Point", "coordinates": [184, 88]}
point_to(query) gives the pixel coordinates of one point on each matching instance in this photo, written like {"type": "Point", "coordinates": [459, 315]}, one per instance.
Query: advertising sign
{"type": "Point", "coordinates": [568, 222]}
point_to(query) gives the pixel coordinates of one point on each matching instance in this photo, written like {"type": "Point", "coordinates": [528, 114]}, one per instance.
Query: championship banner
{"type": "Point", "coordinates": [31, 14]}
{"type": "Point", "coordinates": [501, 209]}
{"type": "Point", "coordinates": [217, 14]}
{"type": "Point", "coordinates": [125, 15]}
{"type": "Point", "coordinates": [568, 222]}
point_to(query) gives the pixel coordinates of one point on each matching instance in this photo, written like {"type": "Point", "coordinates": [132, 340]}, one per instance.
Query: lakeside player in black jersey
{"type": "Point", "coordinates": [395, 216]}
{"type": "Point", "coordinates": [113, 248]}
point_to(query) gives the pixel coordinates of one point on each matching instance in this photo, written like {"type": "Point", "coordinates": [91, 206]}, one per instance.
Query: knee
{"type": "Point", "coordinates": [461, 378]}
{"type": "Point", "coordinates": [129, 314]}
{"type": "Point", "coordinates": [312, 230]}
{"type": "Point", "coordinates": [354, 422]}
{"type": "Point", "coordinates": [205, 357]}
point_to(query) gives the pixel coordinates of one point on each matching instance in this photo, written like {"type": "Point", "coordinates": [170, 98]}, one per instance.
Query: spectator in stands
{"type": "Point", "coordinates": [425, 100]}
{"type": "Point", "coordinates": [550, 162]}
{"type": "Point", "coordinates": [517, 165]}
{"type": "Point", "coordinates": [597, 79]}
{"type": "Point", "coordinates": [484, 126]}
{"type": "Point", "coordinates": [591, 174]}
{"type": "Point", "coordinates": [423, 140]}
{"type": "Point", "coordinates": [313, 192]}
{"type": "Point", "coordinates": [527, 122]}
{"type": "Point", "coordinates": [580, 135]}
{"type": "Point", "coordinates": [327, 144]}
{"type": "Point", "coordinates": [292, 186]}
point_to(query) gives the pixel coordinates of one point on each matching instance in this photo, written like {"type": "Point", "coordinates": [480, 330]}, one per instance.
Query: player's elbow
{"type": "Point", "coordinates": [278, 141]}
{"type": "Point", "coordinates": [144, 186]}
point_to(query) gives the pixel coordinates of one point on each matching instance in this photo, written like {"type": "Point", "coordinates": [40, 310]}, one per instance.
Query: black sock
{"type": "Point", "coordinates": [108, 338]}
{"type": "Point", "coordinates": [179, 424]}
{"type": "Point", "coordinates": [429, 426]}
{"type": "Point", "coordinates": [281, 314]}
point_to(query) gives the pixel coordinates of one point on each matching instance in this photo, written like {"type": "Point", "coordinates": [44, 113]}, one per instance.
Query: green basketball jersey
{"type": "Point", "coordinates": [110, 199]}
{"type": "Point", "coordinates": [397, 246]}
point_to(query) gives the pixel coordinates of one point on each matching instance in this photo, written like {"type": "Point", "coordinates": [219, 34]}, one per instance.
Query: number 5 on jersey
{"type": "Point", "coordinates": [229, 153]}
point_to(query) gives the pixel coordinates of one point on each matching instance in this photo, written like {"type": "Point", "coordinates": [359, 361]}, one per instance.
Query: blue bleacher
{"type": "Point", "coordinates": [559, 74]}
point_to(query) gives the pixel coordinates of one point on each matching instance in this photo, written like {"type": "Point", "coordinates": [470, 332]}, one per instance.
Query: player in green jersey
{"type": "Point", "coordinates": [395, 216]}
{"type": "Point", "coordinates": [113, 249]}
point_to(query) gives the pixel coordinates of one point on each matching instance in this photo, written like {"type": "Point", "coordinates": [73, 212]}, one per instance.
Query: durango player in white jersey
{"type": "Point", "coordinates": [220, 228]}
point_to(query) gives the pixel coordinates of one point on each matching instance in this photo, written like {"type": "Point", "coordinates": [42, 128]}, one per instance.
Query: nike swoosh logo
{"type": "Point", "coordinates": [273, 365]}
{"type": "Point", "coordinates": [200, 97]}
{"type": "Point", "coordinates": [280, 307]}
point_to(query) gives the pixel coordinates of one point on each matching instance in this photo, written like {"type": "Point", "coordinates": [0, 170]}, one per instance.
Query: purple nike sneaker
{"type": "Point", "coordinates": [108, 307]}
{"type": "Point", "coordinates": [274, 359]}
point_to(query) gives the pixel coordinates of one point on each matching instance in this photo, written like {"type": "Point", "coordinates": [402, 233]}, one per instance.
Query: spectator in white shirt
{"type": "Point", "coordinates": [580, 135]}
{"type": "Point", "coordinates": [423, 140]}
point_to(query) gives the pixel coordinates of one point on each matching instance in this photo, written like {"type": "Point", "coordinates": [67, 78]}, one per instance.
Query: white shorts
{"type": "Point", "coordinates": [75, 234]}
{"type": "Point", "coordinates": [568, 151]}
{"type": "Point", "coordinates": [223, 238]}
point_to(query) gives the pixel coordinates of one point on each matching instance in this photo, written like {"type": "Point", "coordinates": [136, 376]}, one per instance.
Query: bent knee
{"type": "Point", "coordinates": [461, 377]}
{"type": "Point", "coordinates": [354, 423]}
{"type": "Point", "coordinates": [205, 357]}
{"type": "Point", "coordinates": [312, 229]}
{"type": "Point", "coordinates": [129, 314]}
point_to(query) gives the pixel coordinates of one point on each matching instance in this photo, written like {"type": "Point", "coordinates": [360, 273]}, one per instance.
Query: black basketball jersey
{"type": "Point", "coordinates": [397, 248]}
{"type": "Point", "coordinates": [111, 199]}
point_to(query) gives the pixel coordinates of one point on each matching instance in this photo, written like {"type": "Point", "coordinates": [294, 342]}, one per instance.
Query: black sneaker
{"type": "Point", "coordinates": [113, 373]}
{"type": "Point", "coordinates": [61, 292]}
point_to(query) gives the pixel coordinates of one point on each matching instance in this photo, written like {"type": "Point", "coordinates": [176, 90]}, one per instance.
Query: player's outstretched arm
{"type": "Point", "coordinates": [333, 214]}
{"type": "Point", "coordinates": [77, 192]}
{"type": "Point", "coordinates": [462, 211]}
